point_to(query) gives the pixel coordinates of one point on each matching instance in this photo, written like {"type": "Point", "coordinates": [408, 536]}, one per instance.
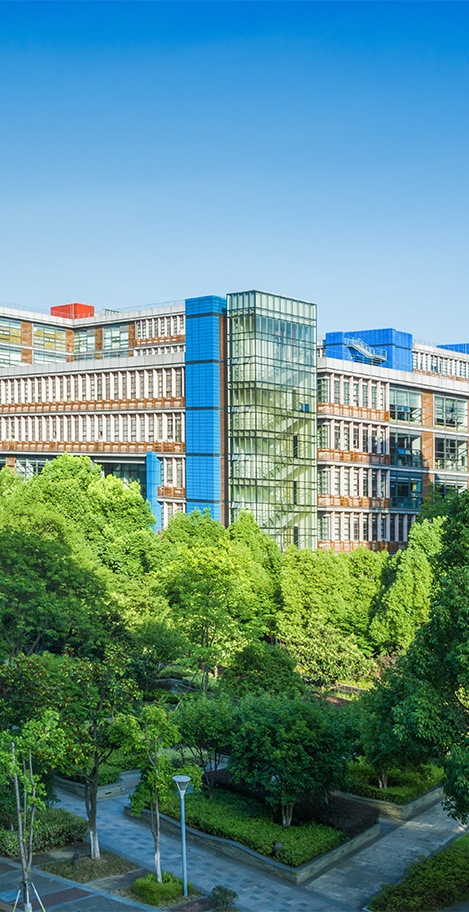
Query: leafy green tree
{"type": "Point", "coordinates": [405, 604]}
{"type": "Point", "coordinates": [149, 736]}
{"type": "Point", "coordinates": [428, 701]}
{"type": "Point", "coordinates": [113, 519]}
{"type": "Point", "coordinates": [287, 748]}
{"type": "Point", "coordinates": [219, 601]}
{"type": "Point", "coordinates": [154, 647]}
{"type": "Point", "coordinates": [326, 656]}
{"type": "Point", "coordinates": [49, 599]}
{"type": "Point", "coordinates": [262, 668]}
{"type": "Point", "coordinates": [90, 697]}
{"type": "Point", "coordinates": [207, 728]}
{"type": "Point", "coordinates": [43, 740]}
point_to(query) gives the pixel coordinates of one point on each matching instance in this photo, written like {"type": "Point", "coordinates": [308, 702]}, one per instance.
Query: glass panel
{"type": "Point", "coordinates": [271, 414]}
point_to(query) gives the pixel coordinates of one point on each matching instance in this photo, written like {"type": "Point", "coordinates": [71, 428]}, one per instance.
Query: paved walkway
{"type": "Point", "coordinates": [345, 888]}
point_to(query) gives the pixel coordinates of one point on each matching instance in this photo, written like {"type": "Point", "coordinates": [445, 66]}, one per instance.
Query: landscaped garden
{"type": "Point", "coordinates": [96, 609]}
{"type": "Point", "coordinates": [429, 884]}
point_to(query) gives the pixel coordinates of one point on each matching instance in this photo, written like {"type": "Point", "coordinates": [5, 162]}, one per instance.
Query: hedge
{"type": "Point", "coordinates": [431, 883]}
{"type": "Point", "coordinates": [403, 785]}
{"type": "Point", "coordinates": [53, 827]}
{"type": "Point", "coordinates": [246, 821]}
{"type": "Point", "coordinates": [148, 890]}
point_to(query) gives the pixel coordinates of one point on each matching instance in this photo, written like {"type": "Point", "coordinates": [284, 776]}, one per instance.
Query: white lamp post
{"type": "Point", "coordinates": [182, 782]}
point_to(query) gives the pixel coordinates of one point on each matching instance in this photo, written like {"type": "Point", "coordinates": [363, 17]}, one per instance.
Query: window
{"type": "Point", "coordinates": [323, 481]}
{"type": "Point", "coordinates": [323, 436]}
{"type": "Point", "coordinates": [450, 453]}
{"type": "Point", "coordinates": [406, 491]}
{"type": "Point", "coordinates": [346, 392]}
{"type": "Point", "coordinates": [323, 390]}
{"type": "Point", "coordinates": [405, 405]}
{"type": "Point", "coordinates": [451, 412]}
{"type": "Point", "coordinates": [324, 527]}
{"type": "Point", "coordinates": [337, 391]}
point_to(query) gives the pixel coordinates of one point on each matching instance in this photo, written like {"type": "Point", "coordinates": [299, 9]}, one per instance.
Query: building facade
{"type": "Point", "coordinates": [227, 403]}
{"type": "Point", "coordinates": [392, 421]}
{"type": "Point", "coordinates": [207, 402]}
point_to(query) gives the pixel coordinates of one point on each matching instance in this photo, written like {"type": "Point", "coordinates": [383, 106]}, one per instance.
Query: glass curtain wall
{"type": "Point", "coordinates": [272, 414]}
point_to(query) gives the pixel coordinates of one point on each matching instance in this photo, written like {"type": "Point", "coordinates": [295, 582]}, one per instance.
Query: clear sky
{"type": "Point", "coordinates": [151, 151]}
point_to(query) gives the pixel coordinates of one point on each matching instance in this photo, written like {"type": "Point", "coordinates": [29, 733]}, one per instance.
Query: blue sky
{"type": "Point", "coordinates": [151, 151]}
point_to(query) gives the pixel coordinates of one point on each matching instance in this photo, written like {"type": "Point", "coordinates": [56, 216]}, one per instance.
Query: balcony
{"type": "Point", "coordinates": [167, 492]}
{"type": "Point", "coordinates": [328, 455]}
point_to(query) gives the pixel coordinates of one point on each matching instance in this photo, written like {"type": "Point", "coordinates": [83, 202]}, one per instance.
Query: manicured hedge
{"type": "Point", "coordinates": [248, 822]}
{"type": "Point", "coordinates": [431, 883]}
{"type": "Point", "coordinates": [53, 827]}
{"type": "Point", "coordinates": [148, 890]}
{"type": "Point", "coordinates": [403, 785]}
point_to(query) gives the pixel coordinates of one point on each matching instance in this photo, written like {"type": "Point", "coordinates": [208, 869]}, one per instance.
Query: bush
{"type": "Point", "coordinates": [248, 822]}
{"type": "Point", "coordinates": [431, 883]}
{"type": "Point", "coordinates": [403, 785]}
{"type": "Point", "coordinates": [148, 890]}
{"type": "Point", "coordinates": [223, 898]}
{"type": "Point", "coordinates": [53, 828]}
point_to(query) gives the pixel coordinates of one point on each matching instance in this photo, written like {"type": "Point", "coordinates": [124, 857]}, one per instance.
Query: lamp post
{"type": "Point", "coordinates": [182, 782]}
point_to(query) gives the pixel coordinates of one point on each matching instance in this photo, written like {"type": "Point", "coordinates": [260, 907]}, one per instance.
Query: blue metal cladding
{"type": "Point", "coordinates": [203, 443]}
{"type": "Point", "coordinates": [461, 347]}
{"type": "Point", "coordinates": [396, 346]}
{"type": "Point", "coordinates": [154, 478]}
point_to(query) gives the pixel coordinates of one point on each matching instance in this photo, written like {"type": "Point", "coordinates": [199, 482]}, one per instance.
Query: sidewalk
{"type": "Point", "coordinates": [345, 888]}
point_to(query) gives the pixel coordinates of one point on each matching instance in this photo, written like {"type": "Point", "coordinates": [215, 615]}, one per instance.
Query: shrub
{"type": "Point", "coordinates": [429, 884]}
{"type": "Point", "coordinates": [248, 822]}
{"type": "Point", "coordinates": [53, 827]}
{"type": "Point", "coordinates": [223, 898]}
{"type": "Point", "coordinates": [403, 785]}
{"type": "Point", "coordinates": [148, 890]}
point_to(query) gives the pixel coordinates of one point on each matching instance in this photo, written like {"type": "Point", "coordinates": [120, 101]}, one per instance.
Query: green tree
{"type": "Point", "coordinates": [428, 701]}
{"type": "Point", "coordinates": [91, 699]}
{"type": "Point", "coordinates": [207, 728]}
{"type": "Point", "coordinates": [42, 740]}
{"type": "Point", "coordinates": [49, 598]}
{"type": "Point", "coordinates": [219, 601]}
{"type": "Point", "coordinates": [287, 748]}
{"type": "Point", "coordinates": [262, 668]}
{"type": "Point", "coordinates": [148, 736]}
{"type": "Point", "coordinates": [405, 604]}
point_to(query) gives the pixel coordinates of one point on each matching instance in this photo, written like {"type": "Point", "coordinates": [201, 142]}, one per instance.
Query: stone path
{"type": "Point", "coordinates": [345, 888]}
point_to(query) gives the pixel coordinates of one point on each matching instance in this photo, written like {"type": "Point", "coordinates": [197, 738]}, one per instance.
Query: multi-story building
{"type": "Point", "coordinates": [211, 403]}
{"type": "Point", "coordinates": [208, 402]}
{"type": "Point", "coordinates": [392, 420]}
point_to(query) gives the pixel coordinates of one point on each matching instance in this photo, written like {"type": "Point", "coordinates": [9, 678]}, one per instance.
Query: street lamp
{"type": "Point", "coordinates": [182, 782]}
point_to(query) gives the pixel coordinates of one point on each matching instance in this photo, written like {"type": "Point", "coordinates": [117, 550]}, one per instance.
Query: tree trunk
{"type": "Point", "coordinates": [25, 856]}
{"type": "Point", "coordinates": [156, 832]}
{"type": "Point", "coordinates": [287, 813]}
{"type": "Point", "coordinates": [91, 804]}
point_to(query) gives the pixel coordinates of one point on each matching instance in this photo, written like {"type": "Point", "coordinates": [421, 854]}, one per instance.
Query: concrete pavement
{"type": "Point", "coordinates": [345, 888]}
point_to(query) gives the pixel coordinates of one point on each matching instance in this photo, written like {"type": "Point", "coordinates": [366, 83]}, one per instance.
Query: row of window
{"type": "Point", "coordinates": [364, 527]}
{"type": "Point", "coordinates": [345, 391]}
{"type": "Point", "coordinates": [340, 435]}
{"type": "Point", "coordinates": [128, 384]}
{"type": "Point", "coordinates": [145, 428]}
{"type": "Point", "coordinates": [359, 482]}
{"type": "Point", "coordinates": [160, 327]}
{"type": "Point", "coordinates": [452, 366]}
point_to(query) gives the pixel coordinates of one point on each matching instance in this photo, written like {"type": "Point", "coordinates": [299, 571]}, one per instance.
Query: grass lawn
{"type": "Point", "coordinates": [86, 870]}
{"type": "Point", "coordinates": [429, 884]}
